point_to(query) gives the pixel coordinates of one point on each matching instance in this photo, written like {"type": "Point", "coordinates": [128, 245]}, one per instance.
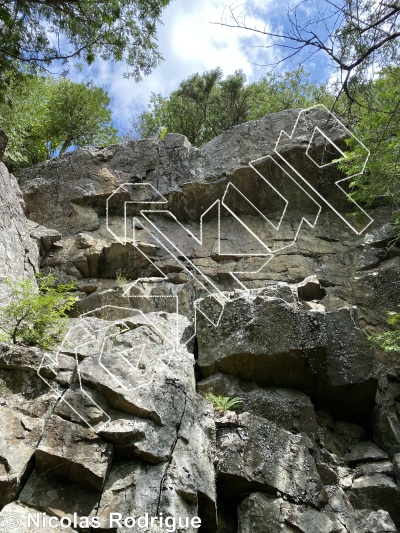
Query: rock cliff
{"type": "Point", "coordinates": [237, 269]}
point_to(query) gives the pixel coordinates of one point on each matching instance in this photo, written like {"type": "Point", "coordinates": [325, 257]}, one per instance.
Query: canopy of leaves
{"type": "Point", "coordinates": [354, 35]}
{"type": "Point", "coordinates": [35, 315]}
{"type": "Point", "coordinates": [205, 105]}
{"type": "Point", "coordinates": [377, 120]}
{"type": "Point", "coordinates": [43, 116]}
{"type": "Point", "coordinates": [38, 32]}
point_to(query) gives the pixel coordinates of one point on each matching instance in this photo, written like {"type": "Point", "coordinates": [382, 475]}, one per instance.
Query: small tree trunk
{"type": "Point", "coordinates": [65, 146]}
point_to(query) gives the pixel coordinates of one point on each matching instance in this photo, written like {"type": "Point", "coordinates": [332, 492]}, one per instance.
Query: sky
{"type": "Point", "coordinates": [190, 43]}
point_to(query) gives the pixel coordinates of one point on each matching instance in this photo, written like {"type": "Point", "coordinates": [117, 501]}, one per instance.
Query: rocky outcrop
{"type": "Point", "coordinates": [19, 255]}
{"type": "Point", "coordinates": [255, 285]}
{"type": "Point", "coordinates": [261, 513]}
{"type": "Point", "coordinates": [324, 354]}
{"type": "Point", "coordinates": [126, 435]}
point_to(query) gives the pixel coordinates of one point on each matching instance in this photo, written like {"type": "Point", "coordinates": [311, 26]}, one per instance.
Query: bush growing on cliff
{"type": "Point", "coordinates": [390, 340]}
{"type": "Point", "coordinates": [36, 314]}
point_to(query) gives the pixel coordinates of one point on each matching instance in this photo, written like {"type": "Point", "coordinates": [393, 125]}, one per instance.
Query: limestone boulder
{"type": "Point", "coordinates": [69, 451]}
{"type": "Point", "coordinates": [288, 408]}
{"type": "Point", "coordinates": [255, 454]}
{"type": "Point", "coordinates": [58, 497]}
{"type": "Point", "coordinates": [248, 343]}
{"type": "Point", "coordinates": [326, 355]}
{"type": "Point", "coordinates": [376, 492]}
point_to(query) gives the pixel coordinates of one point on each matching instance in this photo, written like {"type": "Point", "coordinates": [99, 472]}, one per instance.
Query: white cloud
{"type": "Point", "coordinates": [189, 43]}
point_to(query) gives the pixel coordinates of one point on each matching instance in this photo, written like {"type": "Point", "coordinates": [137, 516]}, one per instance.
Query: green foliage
{"type": "Point", "coordinates": [43, 115]}
{"type": "Point", "coordinates": [36, 315]}
{"type": "Point", "coordinates": [121, 278]}
{"type": "Point", "coordinates": [291, 90]}
{"type": "Point", "coordinates": [78, 115]}
{"type": "Point", "coordinates": [205, 105]}
{"type": "Point", "coordinates": [377, 120]}
{"type": "Point", "coordinates": [38, 32]}
{"type": "Point", "coordinates": [390, 340]}
{"type": "Point", "coordinates": [223, 403]}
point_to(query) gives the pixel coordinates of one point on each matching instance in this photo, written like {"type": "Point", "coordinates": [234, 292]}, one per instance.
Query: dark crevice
{"type": "Point", "coordinates": [171, 455]}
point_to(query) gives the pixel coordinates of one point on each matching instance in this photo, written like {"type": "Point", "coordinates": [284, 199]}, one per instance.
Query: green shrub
{"type": "Point", "coordinates": [121, 278]}
{"type": "Point", "coordinates": [35, 314]}
{"type": "Point", "coordinates": [223, 403]}
{"type": "Point", "coordinates": [390, 340]}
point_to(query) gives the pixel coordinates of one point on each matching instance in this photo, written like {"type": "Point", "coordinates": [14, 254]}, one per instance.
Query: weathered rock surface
{"type": "Point", "coordinates": [288, 408]}
{"type": "Point", "coordinates": [18, 252]}
{"type": "Point", "coordinates": [259, 512]}
{"type": "Point", "coordinates": [25, 519]}
{"type": "Point", "coordinates": [69, 451]}
{"type": "Point", "coordinates": [114, 421]}
{"type": "Point", "coordinates": [95, 422]}
{"type": "Point", "coordinates": [255, 454]}
{"type": "Point", "coordinates": [376, 492]}
{"type": "Point", "coordinates": [326, 355]}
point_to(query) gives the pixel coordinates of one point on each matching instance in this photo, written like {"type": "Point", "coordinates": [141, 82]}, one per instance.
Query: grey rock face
{"type": "Point", "coordinates": [288, 408]}
{"type": "Point", "coordinates": [89, 429]}
{"type": "Point", "coordinates": [365, 451]}
{"type": "Point", "coordinates": [259, 512]}
{"type": "Point", "coordinates": [115, 422]}
{"type": "Point", "coordinates": [376, 492]}
{"type": "Point", "coordinates": [19, 254]}
{"type": "Point", "coordinates": [69, 451]}
{"type": "Point", "coordinates": [320, 353]}
{"type": "Point", "coordinates": [254, 453]}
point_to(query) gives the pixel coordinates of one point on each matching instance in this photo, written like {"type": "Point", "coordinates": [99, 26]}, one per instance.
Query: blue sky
{"type": "Point", "coordinates": [190, 43]}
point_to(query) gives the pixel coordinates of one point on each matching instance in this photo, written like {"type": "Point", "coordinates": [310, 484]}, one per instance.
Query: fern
{"type": "Point", "coordinates": [223, 403]}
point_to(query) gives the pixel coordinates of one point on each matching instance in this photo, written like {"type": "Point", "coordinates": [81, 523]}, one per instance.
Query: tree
{"type": "Point", "coordinates": [43, 115]}
{"type": "Point", "coordinates": [22, 116]}
{"type": "Point", "coordinates": [205, 105]}
{"type": "Point", "coordinates": [353, 34]}
{"type": "Point", "coordinates": [202, 107]}
{"type": "Point", "coordinates": [289, 90]}
{"type": "Point", "coordinates": [36, 315]}
{"type": "Point", "coordinates": [361, 39]}
{"type": "Point", "coordinates": [78, 115]}
{"type": "Point", "coordinates": [378, 125]}
{"type": "Point", "coordinates": [38, 32]}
